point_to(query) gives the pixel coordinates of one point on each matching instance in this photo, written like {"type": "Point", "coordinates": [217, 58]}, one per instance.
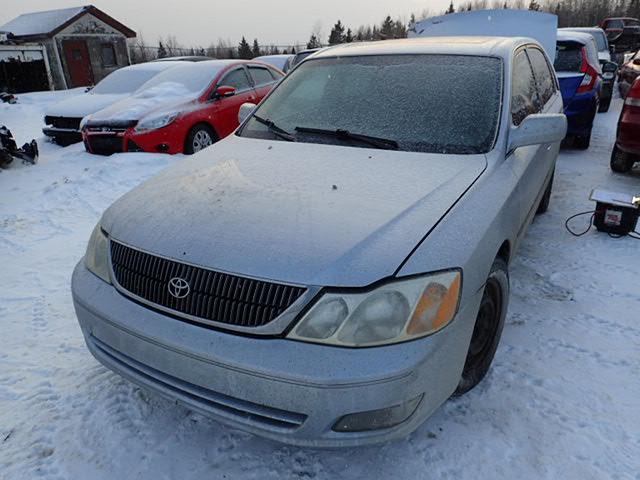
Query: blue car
{"type": "Point", "coordinates": [579, 74]}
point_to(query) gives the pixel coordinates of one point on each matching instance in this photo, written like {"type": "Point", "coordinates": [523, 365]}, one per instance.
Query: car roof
{"type": "Point", "coordinates": [583, 29]}
{"type": "Point", "coordinates": [573, 36]}
{"type": "Point", "coordinates": [187, 58]}
{"type": "Point", "coordinates": [462, 45]}
{"type": "Point", "coordinates": [155, 66]}
{"type": "Point", "coordinates": [281, 55]}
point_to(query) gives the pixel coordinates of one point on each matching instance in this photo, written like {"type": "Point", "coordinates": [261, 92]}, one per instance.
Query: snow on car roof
{"type": "Point", "coordinates": [463, 45]}
{"type": "Point", "coordinates": [573, 36]}
{"type": "Point", "coordinates": [156, 66]}
{"type": "Point", "coordinates": [40, 22]}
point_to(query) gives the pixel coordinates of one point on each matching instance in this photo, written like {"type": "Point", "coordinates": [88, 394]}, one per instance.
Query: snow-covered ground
{"type": "Point", "coordinates": [561, 401]}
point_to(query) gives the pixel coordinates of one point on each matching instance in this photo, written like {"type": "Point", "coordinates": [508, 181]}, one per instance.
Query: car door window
{"type": "Point", "coordinates": [545, 82]}
{"type": "Point", "coordinates": [261, 76]}
{"type": "Point", "coordinates": [524, 95]}
{"type": "Point", "coordinates": [237, 79]}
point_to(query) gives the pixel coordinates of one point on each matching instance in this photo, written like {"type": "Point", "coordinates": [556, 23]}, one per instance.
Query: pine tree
{"type": "Point", "coordinates": [348, 38]}
{"type": "Point", "coordinates": [337, 34]}
{"type": "Point", "coordinates": [451, 8]}
{"type": "Point", "coordinates": [387, 28]}
{"type": "Point", "coordinates": [533, 5]}
{"type": "Point", "coordinates": [293, 50]}
{"type": "Point", "coordinates": [244, 50]}
{"type": "Point", "coordinates": [313, 42]}
{"type": "Point", "coordinates": [255, 49]}
{"type": "Point", "coordinates": [162, 52]}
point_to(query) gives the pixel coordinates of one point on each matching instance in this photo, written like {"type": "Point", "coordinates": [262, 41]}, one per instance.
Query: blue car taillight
{"type": "Point", "coordinates": [590, 74]}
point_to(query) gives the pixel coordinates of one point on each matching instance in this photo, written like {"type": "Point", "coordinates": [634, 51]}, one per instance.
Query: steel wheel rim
{"type": "Point", "coordinates": [201, 140]}
{"type": "Point", "coordinates": [487, 322]}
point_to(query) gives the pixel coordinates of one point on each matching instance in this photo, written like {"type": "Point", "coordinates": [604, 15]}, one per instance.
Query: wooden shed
{"type": "Point", "coordinates": [82, 44]}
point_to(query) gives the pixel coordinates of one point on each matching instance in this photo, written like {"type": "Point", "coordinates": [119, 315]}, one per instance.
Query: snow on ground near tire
{"type": "Point", "coordinates": [562, 399]}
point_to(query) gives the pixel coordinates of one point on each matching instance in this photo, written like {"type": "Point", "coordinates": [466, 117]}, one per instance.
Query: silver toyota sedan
{"type": "Point", "coordinates": [335, 270]}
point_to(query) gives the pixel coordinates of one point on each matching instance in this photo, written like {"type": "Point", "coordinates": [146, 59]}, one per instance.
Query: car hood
{"type": "Point", "coordinates": [293, 212]}
{"type": "Point", "coordinates": [140, 105]}
{"type": "Point", "coordinates": [82, 105]}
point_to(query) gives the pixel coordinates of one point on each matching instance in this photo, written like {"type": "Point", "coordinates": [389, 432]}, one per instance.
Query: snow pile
{"type": "Point", "coordinates": [561, 400]}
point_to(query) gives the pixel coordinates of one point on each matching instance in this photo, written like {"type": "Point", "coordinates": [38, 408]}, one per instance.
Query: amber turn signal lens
{"type": "Point", "coordinates": [436, 307]}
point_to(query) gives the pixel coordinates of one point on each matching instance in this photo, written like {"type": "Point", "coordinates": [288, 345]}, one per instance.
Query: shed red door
{"type": "Point", "coordinates": [76, 54]}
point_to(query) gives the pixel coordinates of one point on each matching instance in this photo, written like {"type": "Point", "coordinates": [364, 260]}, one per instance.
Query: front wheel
{"type": "Point", "coordinates": [621, 162]}
{"type": "Point", "coordinates": [199, 137]}
{"type": "Point", "coordinates": [488, 327]}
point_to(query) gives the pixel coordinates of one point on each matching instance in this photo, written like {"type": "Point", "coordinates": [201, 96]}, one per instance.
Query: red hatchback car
{"type": "Point", "coordinates": [184, 109]}
{"type": "Point", "coordinates": [626, 151]}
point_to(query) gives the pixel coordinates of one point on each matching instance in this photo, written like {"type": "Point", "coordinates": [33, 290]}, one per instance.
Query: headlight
{"type": "Point", "coordinates": [154, 123]}
{"type": "Point", "coordinates": [83, 122]}
{"type": "Point", "coordinates": [97, 257]}
{"type": "Point", "coordinates": [395, 312]}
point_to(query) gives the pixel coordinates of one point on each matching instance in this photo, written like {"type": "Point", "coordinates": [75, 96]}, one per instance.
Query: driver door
{"type": "Point", "coordinates": [225, 110]}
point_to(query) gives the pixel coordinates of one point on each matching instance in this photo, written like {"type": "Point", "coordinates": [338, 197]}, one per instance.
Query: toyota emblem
{"type": "Point", "coordinates": [178, 287]}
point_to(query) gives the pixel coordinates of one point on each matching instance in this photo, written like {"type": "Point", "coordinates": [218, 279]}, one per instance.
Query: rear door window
{"type": "Point", "coordinates": [524, 94]}
{"type": "Point", "coordinates": [261, 76]}
{"type": "Point", "coordinates": [545, 81]}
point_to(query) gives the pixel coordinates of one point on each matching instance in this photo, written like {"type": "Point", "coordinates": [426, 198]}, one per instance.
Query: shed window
{"type": "Point", "coordinates": [108, 55]}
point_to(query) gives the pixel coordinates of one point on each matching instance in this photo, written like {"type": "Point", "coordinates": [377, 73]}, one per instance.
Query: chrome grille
{"type": "Point", "coordinates": [215, 296]}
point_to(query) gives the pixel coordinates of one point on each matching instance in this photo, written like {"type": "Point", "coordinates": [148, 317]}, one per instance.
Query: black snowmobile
{"type": "Point", "coordinates": [9, 149]}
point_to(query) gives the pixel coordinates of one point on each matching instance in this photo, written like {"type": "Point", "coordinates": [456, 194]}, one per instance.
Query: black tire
{"type": "Point", "coordinates": [604, 106]}
{"type": "Point", "coordinates": [621, 162]}
{"type": "Point", "coordinates": [582, 142]}
{"type": "Point", "coordinates": [196, 138]}
{"type": "Point", "coordinates": [488, 327]}
{"type": "Point", "coordinates": [546, 198]}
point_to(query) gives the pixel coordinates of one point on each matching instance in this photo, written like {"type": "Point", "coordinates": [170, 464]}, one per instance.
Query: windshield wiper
{"type": "Point", "coordinates": [376, 142]}
{"type": "Point", "coordinates": [275, 129]}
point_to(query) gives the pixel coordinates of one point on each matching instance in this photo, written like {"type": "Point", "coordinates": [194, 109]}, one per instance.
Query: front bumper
{"type": "Point", "coordinates": [163, 140]}
{"type": "Point", "coordinates": [284, 390]}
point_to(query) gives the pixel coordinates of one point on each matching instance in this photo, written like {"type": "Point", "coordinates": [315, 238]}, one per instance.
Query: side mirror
{"type": "Point", "coordinates": [245, 110]}
{"type": "Point", "coordinates": [609, 67]}
{"type": "Point", "coordinates": [224, 91]}
{"type": "Point", "coordinates": [537, 129]}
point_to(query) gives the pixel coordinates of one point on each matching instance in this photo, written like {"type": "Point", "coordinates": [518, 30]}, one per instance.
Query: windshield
{"type": "Point", "coordinates": [568, 57]}
{"type": "Point", "coordinates": [421, 103]}
{"type": "Point", "coordinates": [125, 80]}
{"type": "Point", "coordinates": [184, 80]}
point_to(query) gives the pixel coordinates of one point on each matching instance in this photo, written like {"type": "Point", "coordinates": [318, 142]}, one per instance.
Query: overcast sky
{"type": "Point", "coordinates": [202, 22]}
